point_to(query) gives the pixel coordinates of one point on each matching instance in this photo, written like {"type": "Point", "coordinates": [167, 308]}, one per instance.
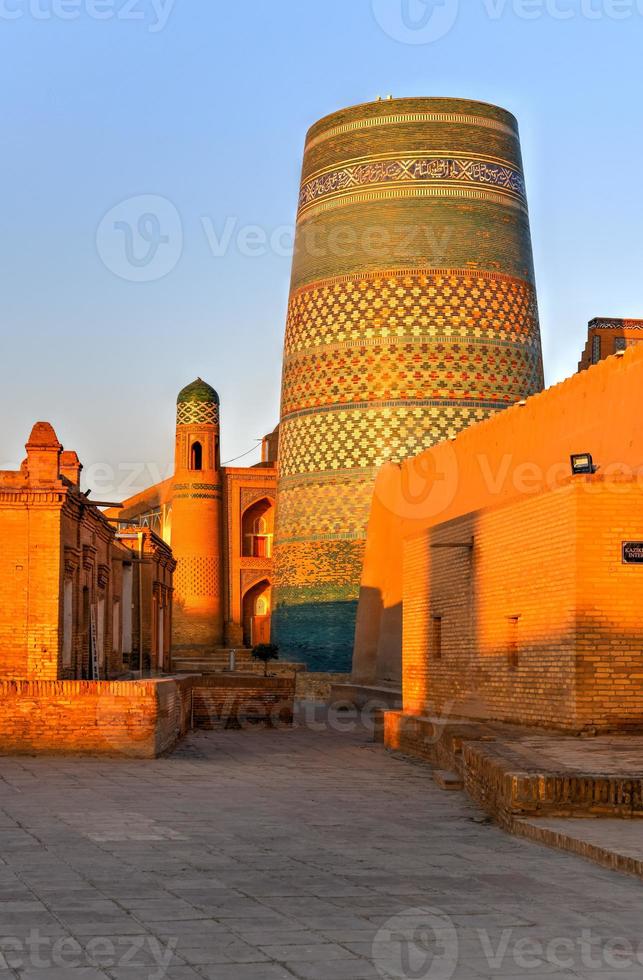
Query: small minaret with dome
{"type": "Point", "coordinates": [197, 500]}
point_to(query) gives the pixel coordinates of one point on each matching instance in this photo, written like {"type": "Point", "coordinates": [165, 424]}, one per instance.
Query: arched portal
{"type": "Point", "coordinates": [257, 529]}
{"type": "Point", "coordinates": [257, 608]}
{"type": "Point", "coordinates": [196, 456]}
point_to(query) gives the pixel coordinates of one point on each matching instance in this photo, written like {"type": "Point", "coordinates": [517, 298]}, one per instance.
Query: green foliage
{"type": "Point", "coordinates": [266, 652]}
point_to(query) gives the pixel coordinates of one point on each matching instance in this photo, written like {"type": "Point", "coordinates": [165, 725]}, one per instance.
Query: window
{"type": "Point", "coordinates": [126, 618]}
{"type": "Point", "coordinates": [68, 622]}
{"type": "Point", "coordinates": [436, 638]}
{"type": "Point", "coordinates": [620, 343]}
{"type": "Point", "coordinates": [116, 625]}
{"type": "Point", "coordinates": [513, 648]}
{"type": "Point", "coordinates": [262, 606]}
{"type": "Point", "coordinates": [596, 349]}
{"type": "Point", "coordinates": [196, 456]}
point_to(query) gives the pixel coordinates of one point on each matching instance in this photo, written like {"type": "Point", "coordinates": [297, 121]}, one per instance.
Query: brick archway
{"type": "Point", "coordinates": [257, 607]}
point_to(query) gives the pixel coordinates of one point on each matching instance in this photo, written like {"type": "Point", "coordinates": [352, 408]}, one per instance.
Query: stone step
{"type": "Point", "coordinates": [447, 780]}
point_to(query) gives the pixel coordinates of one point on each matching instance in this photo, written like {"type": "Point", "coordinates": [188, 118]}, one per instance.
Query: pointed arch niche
{"type": "Point", "coordinates": [257, 529]}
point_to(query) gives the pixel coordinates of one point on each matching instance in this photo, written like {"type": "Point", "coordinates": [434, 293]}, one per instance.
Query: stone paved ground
{"type": "Point", "coordinates": [267, 855]}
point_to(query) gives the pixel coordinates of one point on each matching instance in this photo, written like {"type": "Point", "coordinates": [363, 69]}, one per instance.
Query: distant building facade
{"type": "Point", "coordinates": [219, 521]}
{"type": "Point", "coordinates": [607, 336]}
{"type": "Point", "coordinates": [75, 594]}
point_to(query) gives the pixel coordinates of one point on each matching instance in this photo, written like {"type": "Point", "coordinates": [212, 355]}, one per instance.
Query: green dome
{"type": "Point", "coordinates": [199, 392]}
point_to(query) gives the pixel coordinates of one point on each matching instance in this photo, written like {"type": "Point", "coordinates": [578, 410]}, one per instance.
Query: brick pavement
{"type": "Point", "coordinates": [265, 855]}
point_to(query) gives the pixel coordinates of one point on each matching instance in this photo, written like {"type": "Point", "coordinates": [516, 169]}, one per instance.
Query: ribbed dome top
{"type": "Point", "coordinates": [199, 392]}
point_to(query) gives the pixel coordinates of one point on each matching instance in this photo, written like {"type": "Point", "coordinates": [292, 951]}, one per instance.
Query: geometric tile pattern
{"type": "Point", "coordinates": [197, 413]}
{"type": "Point", "coordinates": [363, 436]}
{"type": "Point", "coordinates": [387, 354]}
{"type": "Point", "coordinates": [408, 373]}
{"type": "Point", "coordinates": [383, 365]}
{"type": "Point", "coordinates": [412, 305]}
{"type": "Point", "coordinates": [198, 577]}
{"type": "Point", "coordinates": [318, 510]}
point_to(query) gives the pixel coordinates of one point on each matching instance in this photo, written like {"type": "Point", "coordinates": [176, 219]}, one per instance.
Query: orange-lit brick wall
{"type": "Point", "coordinates": [526, 613]}
{"type": "Point", "coordinates": [607, 336]}
{"type": "Point", "coordinates": [511, 457]}
{"type": "Point", "coordinates": [205, 511]}
{"type": "Point", "coordinates": [60, 567]}
{"type": "Point", "coordinates": [140, 719]}
{"type": "Point", "coordinates": [29, 588]}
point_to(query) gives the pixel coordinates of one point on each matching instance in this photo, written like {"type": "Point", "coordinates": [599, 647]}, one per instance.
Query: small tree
{"type": "Point", "coordinates": [266, 652]}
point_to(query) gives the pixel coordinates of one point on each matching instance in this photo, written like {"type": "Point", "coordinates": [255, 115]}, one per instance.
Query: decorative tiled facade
{"type": "Point", "coordinates": [435, 172]}
{"type": "Point", "coordinates": [607, 336]}
{"type": "Point", "coordinates": [391, 350]}
{"type": "Point", "coordinates": [208, 512]}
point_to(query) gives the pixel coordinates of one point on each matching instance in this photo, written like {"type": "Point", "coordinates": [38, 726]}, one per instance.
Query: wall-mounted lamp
{"type": "Point", "coordinates": [582, 464]}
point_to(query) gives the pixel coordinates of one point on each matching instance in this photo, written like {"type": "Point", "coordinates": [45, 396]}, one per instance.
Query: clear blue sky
{"type": "Point", "coordinates": [210, 112]}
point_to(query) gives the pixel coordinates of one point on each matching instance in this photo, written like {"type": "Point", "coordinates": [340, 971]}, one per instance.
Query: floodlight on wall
{"type": "Point", "coordinates": [582, 464]}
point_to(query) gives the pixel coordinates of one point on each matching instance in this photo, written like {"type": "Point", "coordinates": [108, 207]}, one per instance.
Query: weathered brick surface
{"type": "Point", "coordinates": [141, 719]}
{"type": "Point", "coordinates": [541, 623]}
{"type": "Point", "coordinates": [228, 701]}
{"type": "Point", "coordinates": [512, 774]}
{"type": "Point", "coordinates": [133, 718]}
{"type": "Point", "coordinates": [60, 562]}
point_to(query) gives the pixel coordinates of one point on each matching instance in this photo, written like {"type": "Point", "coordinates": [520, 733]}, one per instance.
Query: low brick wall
{"type": "Point", "coordinates": [318, 686]}
{"type": "Point", "coordinates": [508, 783]}
{"type": "Point", "coordinates": [504, 787]}
{"type": "Point", "coordinates": [435, 740]}
{"type": "Point", "coordinates": [140, 719]}
{"type": "Point", "coordinates": [234, 700]}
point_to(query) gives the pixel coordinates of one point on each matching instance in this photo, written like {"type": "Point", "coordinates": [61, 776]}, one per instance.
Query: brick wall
{"type": "Point", "coordinates": [29, 589]}
{"type": "Point", "coordinates": [525, 612]}
{"type": "Point", "coordinates": [508, 457]}
{"type": "Point", "coordinates": [136, 718]}
{"type": "Point", "coordinates": [231, 700]}
{"type": "Point", "coordinates": [139, 719]}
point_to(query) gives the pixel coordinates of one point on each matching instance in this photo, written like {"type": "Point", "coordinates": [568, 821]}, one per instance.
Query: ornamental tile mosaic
{"type": "Point", "coordinates": [197, 413]}
{"type": "Point", "coordinates": [355, 175]}
{"type": "Point", "coordinates": [368, 437]}
{"type": "Point", "coordinates": [413, 305]}
{"type": "Point", "coordinates": [382, 362]}
{"type": "Point", "coordinates": [408, 372]}
{"type": "Point", "coordinates": [326, 509]}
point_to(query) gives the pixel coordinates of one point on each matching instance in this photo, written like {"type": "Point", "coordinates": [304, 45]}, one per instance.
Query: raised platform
{"type": "Point", "coordinates": [366, 696]}
{"type": "Point", "coordinates": [217, 661]}
{"type": "Point", "coordinates": [611, 842]}
{"type": "Point", "coordinates": [537, 784]}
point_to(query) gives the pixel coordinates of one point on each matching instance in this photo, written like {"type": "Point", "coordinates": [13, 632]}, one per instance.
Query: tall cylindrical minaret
{"type": "Point", "coordinates": [196, 519]}
{"type": "Point", "coordinates": [412, 315]}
